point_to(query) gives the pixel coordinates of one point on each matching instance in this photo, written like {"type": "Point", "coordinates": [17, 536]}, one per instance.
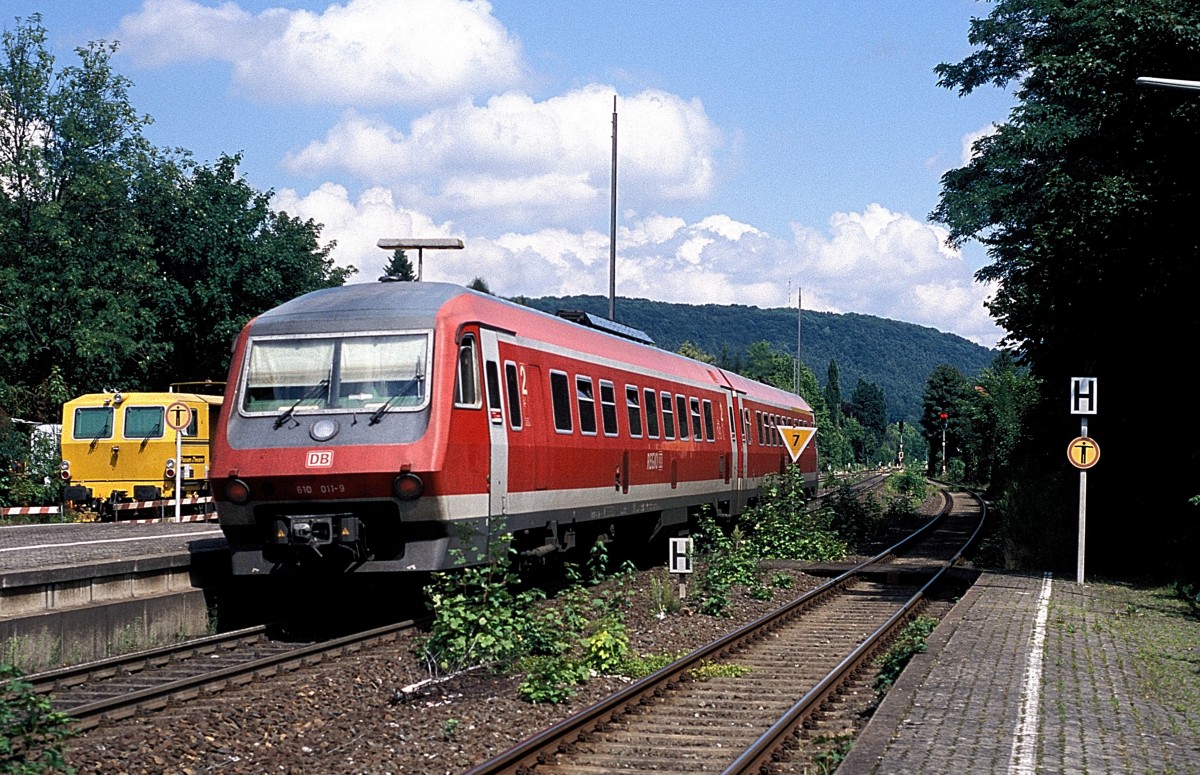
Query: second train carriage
{"type": "Point", "coordinates": [380, 427]}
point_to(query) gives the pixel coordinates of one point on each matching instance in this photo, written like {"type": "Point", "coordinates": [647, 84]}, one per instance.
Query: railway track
{"type": "Point", "coordinates": [119, 687]}
{"type": "Point", "coordinates": [795, 660]}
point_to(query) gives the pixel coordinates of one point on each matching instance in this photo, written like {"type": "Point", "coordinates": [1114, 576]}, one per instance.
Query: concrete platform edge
{"type": "Point", "coordinates": [872, 741]}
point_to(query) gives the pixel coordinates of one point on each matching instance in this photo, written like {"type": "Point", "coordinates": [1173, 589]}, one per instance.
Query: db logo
{"type": "Point", "coordinates": [321, 458]}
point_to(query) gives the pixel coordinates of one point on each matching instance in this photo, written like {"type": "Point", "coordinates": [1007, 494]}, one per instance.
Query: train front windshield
{"type": "Point", "coordinates": [380, 372]}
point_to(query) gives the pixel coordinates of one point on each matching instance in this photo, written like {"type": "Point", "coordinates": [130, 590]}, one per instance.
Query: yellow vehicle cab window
{"type": "Point", "coordinates": [93, 422]}
{"type": "Point", "coordinates": [143, 422]}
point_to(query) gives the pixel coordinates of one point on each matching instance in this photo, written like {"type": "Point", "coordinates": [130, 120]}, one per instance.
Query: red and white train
{"type": "Point", "coordinates": [396, 426]}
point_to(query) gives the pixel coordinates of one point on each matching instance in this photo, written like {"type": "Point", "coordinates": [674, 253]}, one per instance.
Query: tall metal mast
{"type": "Point", "coordinates": [612, 226]}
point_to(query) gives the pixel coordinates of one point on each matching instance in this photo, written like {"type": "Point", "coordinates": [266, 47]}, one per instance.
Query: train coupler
{"type": "Point", "coordinates": [318, 530]}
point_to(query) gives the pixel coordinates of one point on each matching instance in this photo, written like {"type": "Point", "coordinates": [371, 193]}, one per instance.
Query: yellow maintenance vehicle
{"type": "Point", "coordinates": [119, 452]}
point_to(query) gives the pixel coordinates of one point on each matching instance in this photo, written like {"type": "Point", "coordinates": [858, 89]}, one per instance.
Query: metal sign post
{"type": "Point", "coordinates": [1083, 454]}
{"type": "Point", "coordinates": [679, 561]}
{"type": "Point", "coordinates": [179, 417]}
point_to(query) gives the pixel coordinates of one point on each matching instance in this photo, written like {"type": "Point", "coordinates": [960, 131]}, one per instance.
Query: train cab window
{"type": "Point", "coordinates": [608, 407]}
{"type": "Point", "coordinates": [696, 431]}
{"type": "Point", "coordinates": [466, 387]}
{"type": "Point", "coordinates": [562, 402]}
{"type": "Point", "coordinates": [144, 422]}
{"type": "Point", "coordinates": [708, 421]}
{"type": "Point", "coordinates": [681, 411]}
{"type": "Point", "coordinates": [651, 413]}
{"type": "Point", "coordinates": [513, 388]}
{"type": "Point", "coordinates": [93, 422]}
{"type": "Point", "coordinates": [633, 406]}
{"type": "Point", "coordinates": [585, 399]}
{"type": "Point", "coordinates": [325, 373]}
{"type": "Point", "coordinates": [668, 417]}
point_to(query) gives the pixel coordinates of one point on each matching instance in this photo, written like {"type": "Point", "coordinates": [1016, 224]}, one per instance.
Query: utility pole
{"type": "Point", "coordinates": [612, 226]}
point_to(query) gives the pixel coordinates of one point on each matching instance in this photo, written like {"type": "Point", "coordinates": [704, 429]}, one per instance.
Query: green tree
{"type": "Point", "coordinates": [765, 364]}
{"type": "Point", "coordinates": [225, 256]}
{"type": "Point", "coordinates": [400, 267]}
{"type": "Point", "coordinates": [72, 285]}
{"type": "Point", "coordinates": [1084, 199]}
{"type": "Point", "coordinates": [479, 284]}
{"type": "Point", "coordinates": [689, 350]}
{"type": "Point", "coordinates": [122, 265]}
{"type": "Point", "coordinates": [946, 392]}
{"type": "Point", "coordinates": [869, 408]}
{"type": "Point", "coordinates": [833, 392]}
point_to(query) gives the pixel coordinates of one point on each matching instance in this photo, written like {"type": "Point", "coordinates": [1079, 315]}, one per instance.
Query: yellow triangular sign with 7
{"type": "Point", "coordinates": [796, 439]}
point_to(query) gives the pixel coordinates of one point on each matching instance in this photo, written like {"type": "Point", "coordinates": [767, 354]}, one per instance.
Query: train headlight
{"type": "Point", "coordinates": [64, 470]}
{"type": "Point", "coordinates": [237, 491]}
{"type": "Point", "coordinates": [408, 486]}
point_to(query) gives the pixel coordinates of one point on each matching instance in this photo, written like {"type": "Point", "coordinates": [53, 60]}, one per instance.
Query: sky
{"type": "Point", "coordinates": [763, 147]}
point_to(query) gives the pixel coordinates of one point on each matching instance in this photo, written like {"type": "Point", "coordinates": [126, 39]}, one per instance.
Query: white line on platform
{"type": "Point", "coordinates": [106, 541]}
{"type": "Point", "coordinates": [1025, 745]}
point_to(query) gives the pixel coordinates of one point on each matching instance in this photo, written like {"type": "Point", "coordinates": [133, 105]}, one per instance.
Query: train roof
{"type": "Point", "coordinates": [416, 305]}
{"type": "Point", "coordinates": [143, 397]}
{"type": "Point", "coordinates": [357, 307]}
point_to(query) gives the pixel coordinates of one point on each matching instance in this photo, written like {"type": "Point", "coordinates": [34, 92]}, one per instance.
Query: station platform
{"type": "Point", "coordinates": [75, 592]}
{"type": "Point", "coordinates": [1042, 675]}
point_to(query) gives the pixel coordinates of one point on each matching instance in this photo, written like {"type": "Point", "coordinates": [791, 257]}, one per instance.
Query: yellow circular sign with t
{"type": "Point", "coordinates": [179, 415]}
{"type": "Point", "coordinates": [1083, 452]}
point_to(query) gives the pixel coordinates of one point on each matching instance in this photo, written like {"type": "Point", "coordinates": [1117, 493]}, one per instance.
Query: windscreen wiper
{"type": "Point", "coordinates": [310, 393]}
{"type": "Point", "coordinates": [417, 380]}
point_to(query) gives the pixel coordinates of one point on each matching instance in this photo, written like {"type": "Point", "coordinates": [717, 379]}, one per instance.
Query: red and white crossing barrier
{"type": "Point", "coordinates": [166, 508]}
{"type": "Point", "coordinates": [15, 511]}
{"type": "Point", "coordinates": [165, 503]}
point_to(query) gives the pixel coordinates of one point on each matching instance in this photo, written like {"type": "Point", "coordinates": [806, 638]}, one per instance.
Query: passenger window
{"type": "Point", "coordinates": [586, 401]}
{"type": "Point", "coordinates": [634, 408]}
{"type": "Point", "coordinates": [561, 401]}
{"type": "Point", "coordinates": [608, 407]}
{"type": "Point", "coordinates": [466, 390]}
{"type": "Point", "coordinates": [668, 417]}
{"type": "Point", "coordinates": [746, 424]}
{"type": "Point", "coordinates": [708, 421]}
{"type": "Point", "coordinates": [651, 413]}
{"type": "Point", "coordinates": [696, 431]}
{"type": "Point", "coordinates": [760, 421]}
{"type": "Point", "coordinates": [681, 407]}
{"type": "Point", "coordinates": [514, 395]}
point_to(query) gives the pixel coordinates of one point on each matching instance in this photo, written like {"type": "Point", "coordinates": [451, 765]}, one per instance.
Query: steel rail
{"type": "Point", "coordinates": [74, 675]}
{"type": "Point", "coordinates": [526, 755]}
{"type": "Point", "coordinates": [90, 714]}
{"type": "Point", "coordinates": [766, 749]}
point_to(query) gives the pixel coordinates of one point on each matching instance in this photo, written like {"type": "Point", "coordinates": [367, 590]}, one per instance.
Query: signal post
{"type": "Point", "coordinates": [1083, 452]}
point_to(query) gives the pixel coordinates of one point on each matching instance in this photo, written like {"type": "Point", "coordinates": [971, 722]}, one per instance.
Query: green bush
{"type": "Point", "coordinates": [909, 642]}
{"type": "Point", "coordinates": [782, 526]}
{"type": "Point", "coordinates": [479, 618]}
{"type": "Point", "coordinates": [32, 733]}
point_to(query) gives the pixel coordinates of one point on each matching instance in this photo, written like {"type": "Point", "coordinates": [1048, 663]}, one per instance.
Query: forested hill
{"type": "Point", "coordinates": [897, 357]}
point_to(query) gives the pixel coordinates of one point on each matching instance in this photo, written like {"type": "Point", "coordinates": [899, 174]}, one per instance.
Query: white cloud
{"type": "Point", "coordinates": [518, 161]}
{"type": "Point", "coordinates": [876, 262]}
{"type": "Point", "coordinates": [378, 52]}
{"type": "Point", "coordinates": [891, 265]}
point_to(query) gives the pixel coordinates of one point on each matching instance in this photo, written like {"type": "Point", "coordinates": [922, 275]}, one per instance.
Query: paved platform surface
{"type": "Point", "coordinates": [1041, 675]}
{"type": "Point", "coordinates": [26, 548]}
